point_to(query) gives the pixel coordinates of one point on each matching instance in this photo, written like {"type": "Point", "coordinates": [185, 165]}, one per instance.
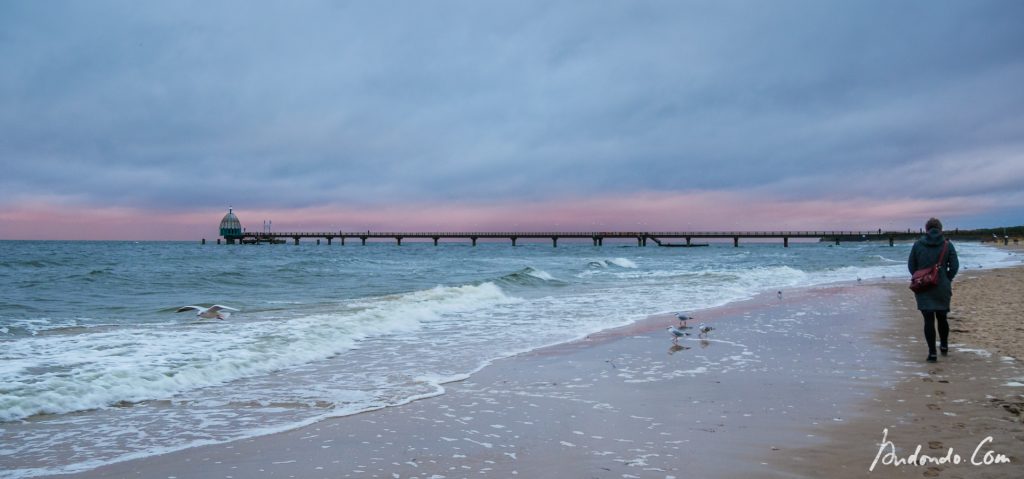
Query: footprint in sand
{"type": "Point", "coordinates": [940, 393]}
{"type": "Point", "coordinates": [934, 444]}
{"type": "Point", "coordinates": [932, 472]}
{"type": "Point", "coordinates": [934, 407]}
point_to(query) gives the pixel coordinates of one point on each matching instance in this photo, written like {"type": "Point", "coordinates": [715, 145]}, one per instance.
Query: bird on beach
{"type": "Point", "coordinates": [704, 329]}
{"type": "Point", "coordinates": [677, 333]}
{"type": "Point", "coordinates": [683, 318]}
{"type": "Point", "coordinates": [209, 313]}
{"type": "Point", "coordinates": [780, 294]}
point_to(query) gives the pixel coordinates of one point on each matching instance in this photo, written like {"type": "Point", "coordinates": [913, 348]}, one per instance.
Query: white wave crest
{"type": "Point", "coordinates": [620, 262]}
{"type": "Point", "coordinates": [51, 375]}
{"type": "Point", "coordinates": [540, 274]}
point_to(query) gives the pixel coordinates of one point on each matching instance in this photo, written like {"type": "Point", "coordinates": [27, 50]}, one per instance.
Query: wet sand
{"type": "Point", "coordinates": [948, 408]}
{"type": "Point", "coordinates": [795, 387]}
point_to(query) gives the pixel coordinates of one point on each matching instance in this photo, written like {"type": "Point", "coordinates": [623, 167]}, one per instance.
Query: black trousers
{"type": "Point", "coordinates": [930, 318]}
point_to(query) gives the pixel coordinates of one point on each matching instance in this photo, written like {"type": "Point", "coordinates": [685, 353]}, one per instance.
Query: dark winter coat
{"type": "Point", "coordinates": [924, 254]}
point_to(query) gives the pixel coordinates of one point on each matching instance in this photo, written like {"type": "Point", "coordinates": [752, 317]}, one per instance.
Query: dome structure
{"type": "Point", "coordinates": [230, 226]}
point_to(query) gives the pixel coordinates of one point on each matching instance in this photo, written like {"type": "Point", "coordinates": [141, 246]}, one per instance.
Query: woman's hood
{"type": "Point", "coordinates": [933, 237]}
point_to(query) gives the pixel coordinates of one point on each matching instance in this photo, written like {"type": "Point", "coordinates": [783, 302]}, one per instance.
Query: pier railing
{"type": "Point", "coordinates": [597, 237]}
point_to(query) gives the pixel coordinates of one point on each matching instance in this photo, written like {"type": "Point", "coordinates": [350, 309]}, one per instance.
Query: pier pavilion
{"type": "Point", "coordinates": [230, 227]}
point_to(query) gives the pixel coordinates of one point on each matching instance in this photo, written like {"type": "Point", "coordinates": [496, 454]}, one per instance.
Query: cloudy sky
{"type": "Point", "coordinates": [145, 120]}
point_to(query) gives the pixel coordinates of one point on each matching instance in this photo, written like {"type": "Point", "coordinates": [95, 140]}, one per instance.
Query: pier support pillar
{"type": "Point", "coordinates": [594, 240]}
{"type": "Point", "coordinates": [343, 241]}
{"type": "Point", "coordinates": [891, 242]}
{"type": "Point", "coordinates": [554, 241]}
{"type": "Point", "coordinates": [435, 240]}
{"type": "Point", "coordinates": [735, 241]}
{"type": "Point", "coordinates": [785, 241]}
{"type": "Point", "coordinates": [296, 240]}
{"type": "Point", "coordinates": [600, 241]}
{"type": "Point", "coordinates": [329, 238]}
{"type": "Point", "coordinates": [639, 241]}
{"type": "Point", "coordinates": [837, 241]}
{"type": "Point", "coordinates": [687, 241]}
{"type": "Point", "coordinates": [514, 241]}
{"type": "Point", "coordinates": [473, 238]}
{"type": "Point", "coordinates": [364, 240]}
{"type": "Point", "coordinates": [644, 241]}
{"type": "Point", "coordinates": [398, 239]}
{"type": "Point", "coordinates": [318, 241]}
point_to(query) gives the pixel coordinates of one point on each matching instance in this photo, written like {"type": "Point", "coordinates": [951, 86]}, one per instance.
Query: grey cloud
{"type": "Point", "coordinates": [187, 104]}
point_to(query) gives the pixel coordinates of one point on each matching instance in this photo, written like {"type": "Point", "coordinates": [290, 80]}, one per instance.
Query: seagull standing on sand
{"type": "Point", "coordinates": [704, 329]}
{"type": "Point", "coordinates": [683, 318]}
{"type": "Point", "coordinates": [677, 333]}
{"type": "Point", "coordinates": [208, 313]}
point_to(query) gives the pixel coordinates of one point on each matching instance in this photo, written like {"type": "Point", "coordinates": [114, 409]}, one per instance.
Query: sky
{"type": "Point", "coordinates": [147, 120]}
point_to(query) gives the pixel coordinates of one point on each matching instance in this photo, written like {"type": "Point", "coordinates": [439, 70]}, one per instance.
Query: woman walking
{"type": "Point", "coordinates": [933, 303]}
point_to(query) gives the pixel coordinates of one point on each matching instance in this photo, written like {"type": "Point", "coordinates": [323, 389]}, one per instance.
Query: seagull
{"type": "Point", "coordinates": [677, 333]}
{"type": "Point", "coordinates": [208, 313]}
{"type": "Point", "coordinates": [704, 329]}
{"type": "Point", "coordinates": [780, 294]}
{"type": "Point", "coordinates": [683, 318]}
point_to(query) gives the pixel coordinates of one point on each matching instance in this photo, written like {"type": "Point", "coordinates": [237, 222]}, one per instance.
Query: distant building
{"type": "Point", "coordinates": [230, 227]}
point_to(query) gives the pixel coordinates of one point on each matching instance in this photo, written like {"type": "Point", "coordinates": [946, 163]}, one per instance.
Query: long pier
{"type": "Point", "coordinates": [597, 237]}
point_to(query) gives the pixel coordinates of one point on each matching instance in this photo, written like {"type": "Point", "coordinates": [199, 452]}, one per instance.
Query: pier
{"type": "Point", "coordinates": [233, 233]}
{"type": "Point", "coordinates": [596, 237]}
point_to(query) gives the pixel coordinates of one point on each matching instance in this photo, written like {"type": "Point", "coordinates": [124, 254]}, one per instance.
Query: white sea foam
{"type": "Point", "coordinates": [47, 374]}
{"type": "Point", "coordinates": [623, 262]}
{"type": "Point", "coordinates": [540, 274]}
{"type": "Point", "coordinates": [618, 262]}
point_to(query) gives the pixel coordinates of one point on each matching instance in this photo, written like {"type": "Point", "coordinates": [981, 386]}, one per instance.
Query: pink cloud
{"type": "Point", "coordinates": [651, 211]}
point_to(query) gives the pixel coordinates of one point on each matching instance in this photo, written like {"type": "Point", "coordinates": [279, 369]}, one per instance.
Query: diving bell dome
{"type": "Point", "coordinates": [230, 226]}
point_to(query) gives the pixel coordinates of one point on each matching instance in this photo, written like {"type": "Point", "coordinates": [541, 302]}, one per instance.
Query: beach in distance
{"type": "Point", "coordinates": [494, 361]}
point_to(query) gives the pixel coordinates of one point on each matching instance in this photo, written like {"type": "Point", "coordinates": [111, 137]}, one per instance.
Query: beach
{"type": "Point", "coordinates": [950, 408]}
{"type": "Point", "coordinates": [806, 390]}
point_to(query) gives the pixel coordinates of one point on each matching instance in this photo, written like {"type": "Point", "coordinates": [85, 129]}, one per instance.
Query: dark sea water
{"type": "Point", "coordinates": [96, 366]}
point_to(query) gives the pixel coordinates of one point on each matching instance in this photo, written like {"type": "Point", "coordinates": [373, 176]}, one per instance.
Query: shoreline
{"type": "Point", "coordinates": [806, 443]}
{"type": "Point", "coordinates": [626, 400]}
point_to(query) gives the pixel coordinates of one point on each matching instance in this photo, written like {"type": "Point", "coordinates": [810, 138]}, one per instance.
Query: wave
{"type": "Point", "coordinates": [617, 262]}
{"type": "Point", "coordinates": [50, 375]}
{"type": "Point", "coordinates": [886, 260]}
{"type": "Point", "coordinates": [33, 263]}
{"type": "Point", "coordinates": [530, 276]}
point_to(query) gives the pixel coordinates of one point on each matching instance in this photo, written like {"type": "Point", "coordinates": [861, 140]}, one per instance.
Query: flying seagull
{"type": "Point", "coordinates": [208, 313]}
{"type": "Point", "coordinates": [677, 333]}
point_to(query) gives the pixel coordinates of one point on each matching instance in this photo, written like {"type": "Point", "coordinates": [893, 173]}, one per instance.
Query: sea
{"type": "Point", "coordinates": [96, 365]}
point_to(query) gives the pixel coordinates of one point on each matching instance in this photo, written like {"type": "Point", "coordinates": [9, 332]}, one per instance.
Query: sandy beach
{"type": "Point", "coordinates": [798, 386]}
{"type": "Point", "coordinates": [971, 395]}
